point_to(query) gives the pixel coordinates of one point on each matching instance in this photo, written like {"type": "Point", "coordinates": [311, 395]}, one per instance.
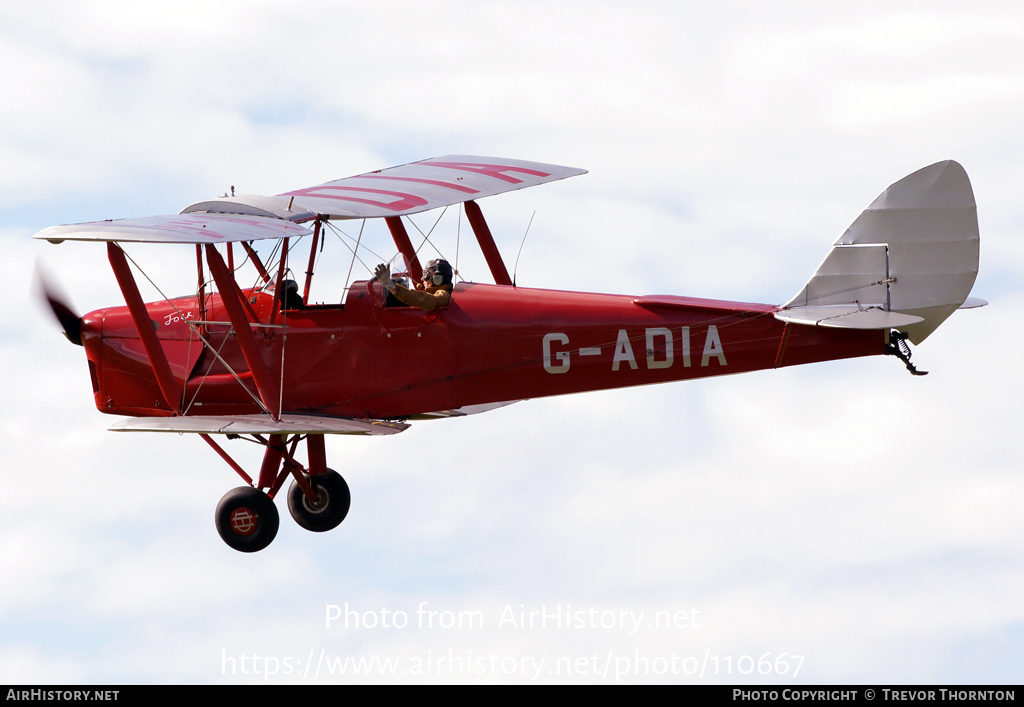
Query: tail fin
{"type": "Point", "coordinates": [907, 262]}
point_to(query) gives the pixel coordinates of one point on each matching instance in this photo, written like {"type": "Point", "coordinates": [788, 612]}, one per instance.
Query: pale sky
{"type": "Point", "coordinates": [841, 522]}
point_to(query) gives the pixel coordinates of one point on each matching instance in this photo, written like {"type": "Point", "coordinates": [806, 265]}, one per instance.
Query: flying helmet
{"type": "Point", "coordinates": [439, 272]}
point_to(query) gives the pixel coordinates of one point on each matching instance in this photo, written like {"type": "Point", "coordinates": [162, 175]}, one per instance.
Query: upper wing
{"type": "Point", "coordinates": [398, 191]}
{"type": "Point", "coordinates": [425, 185]}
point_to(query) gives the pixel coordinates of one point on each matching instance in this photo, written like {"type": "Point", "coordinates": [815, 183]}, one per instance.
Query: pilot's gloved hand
{"type": "Point", "coordinates": [384, 277]}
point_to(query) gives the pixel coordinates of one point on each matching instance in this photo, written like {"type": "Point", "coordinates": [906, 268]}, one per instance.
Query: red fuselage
{"type": "Point", "coordinates": [493, 343]}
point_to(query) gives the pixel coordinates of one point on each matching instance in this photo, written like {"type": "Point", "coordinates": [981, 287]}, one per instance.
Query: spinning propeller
{"type": "Point", "coordinates": [70, 322]}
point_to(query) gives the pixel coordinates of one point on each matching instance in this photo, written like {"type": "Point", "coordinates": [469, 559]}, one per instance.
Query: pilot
{"type": "Point", "coordinates": [434, 291]}
{"type": "Point", "coordinates": [290, 297]}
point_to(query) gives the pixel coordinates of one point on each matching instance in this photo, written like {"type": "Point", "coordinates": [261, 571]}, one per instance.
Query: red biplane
{"type": "Point", "coordinates": [268, 364]}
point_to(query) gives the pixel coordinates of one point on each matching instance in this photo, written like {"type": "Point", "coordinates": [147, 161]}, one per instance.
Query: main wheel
{"type": "Point", "coordinates": [331, 506]}
{"type": "Point", "coordinates": [247, 519]}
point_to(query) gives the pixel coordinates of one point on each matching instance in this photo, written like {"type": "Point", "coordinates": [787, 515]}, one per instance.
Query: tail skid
{"type": "Point", "coordinates": [907, 262]}
{"type": "Point", "coordinates": [898, 347]}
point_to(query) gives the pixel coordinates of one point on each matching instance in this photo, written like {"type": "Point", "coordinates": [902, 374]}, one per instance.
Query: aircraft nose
{"type": "Point", "coordinates": [91, 325]}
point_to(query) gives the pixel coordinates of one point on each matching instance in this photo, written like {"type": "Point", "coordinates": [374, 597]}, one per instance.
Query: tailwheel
{"type": "Point", "coordinates": [330, 507]}
{"type": "Point", "coordinates": [247, 519]}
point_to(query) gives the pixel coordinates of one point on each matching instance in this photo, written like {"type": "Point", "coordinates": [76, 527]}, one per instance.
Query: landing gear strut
{"type": "Point", "coordinates": [318, 499]}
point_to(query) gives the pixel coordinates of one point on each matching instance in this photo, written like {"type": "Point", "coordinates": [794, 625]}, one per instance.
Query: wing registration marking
{"type": "Point", "coordinates": [432, 182]}
{"type": "Point", "coordinates": [498, 171]}
{"type": "Point", "coordinates": [402, 201]}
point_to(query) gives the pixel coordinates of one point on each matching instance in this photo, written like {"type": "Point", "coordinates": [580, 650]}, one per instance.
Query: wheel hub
{"type": "Point", "coordinates": [323, 500]}
{"type": "Point", "coordinates": [243, 521]}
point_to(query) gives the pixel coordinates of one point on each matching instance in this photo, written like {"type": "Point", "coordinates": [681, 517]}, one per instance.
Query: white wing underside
{"type": "Point", "coordinates": [181, 228]}
{"type": "Point", "coordinates": [288, 424]}
{"type": "Point", "coordinates": [463, 411]}
{"type": "Point", "coordinates": [259, 424]}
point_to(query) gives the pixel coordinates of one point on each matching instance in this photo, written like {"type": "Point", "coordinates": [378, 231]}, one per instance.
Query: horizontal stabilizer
{"type": "Point", "coordinates": [259, 424]}
{"type": "Point", "coordinates": [848, 317]}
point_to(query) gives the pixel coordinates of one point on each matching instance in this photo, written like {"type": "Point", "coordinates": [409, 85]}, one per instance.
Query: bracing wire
{"type": "Point", "coordinates": [195, 329]}
{"type": "Point", "coordinates": [342, 236]}
{"type": "Point", "coordinates": [515, 269]}
{"type": "Point", "coordinates": [845, 290]}
{"type": "Point", "coordinates": [426, 236]}
{"type": "Point", "coordinates": [352, 262]}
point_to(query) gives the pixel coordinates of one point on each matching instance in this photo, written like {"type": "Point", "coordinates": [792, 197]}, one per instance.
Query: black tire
{"type": "Point", "coordinates": [247, 519]}
{"type": "Point", "coordinates": [329, 511]}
